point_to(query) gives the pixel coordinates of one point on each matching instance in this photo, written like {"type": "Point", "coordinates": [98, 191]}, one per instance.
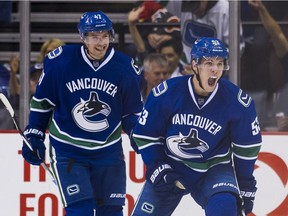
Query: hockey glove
{"type": "Point", "coordinates": [247, 191]}
{"type": "Point", "coordinates": [36, 138]}
{"type": "Point", "coordinates": [164, 179]}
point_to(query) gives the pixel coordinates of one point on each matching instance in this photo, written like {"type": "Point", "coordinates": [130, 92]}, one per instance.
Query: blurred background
{"type": "Point", "coordinates": [28, 28]}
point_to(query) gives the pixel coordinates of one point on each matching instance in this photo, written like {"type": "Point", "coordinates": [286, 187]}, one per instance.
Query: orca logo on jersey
{"type": "Point", "coordinates": [91, 115]}
{"type": "Point", "coordinates": [186, 147]}
{"type": "Point", "coordinates": [244, 98]}
{"type": "Point", "coordinates": [55, 53]}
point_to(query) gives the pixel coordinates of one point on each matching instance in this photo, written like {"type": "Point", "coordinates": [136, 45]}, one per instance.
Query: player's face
{"type": "Point", "coordinates": [97, 43]}
{"type": "Point", "coordinates": [210, 71]}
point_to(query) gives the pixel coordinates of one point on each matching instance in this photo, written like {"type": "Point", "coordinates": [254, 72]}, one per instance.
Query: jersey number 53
{"type": "Point", "coordinates": [142, 120]}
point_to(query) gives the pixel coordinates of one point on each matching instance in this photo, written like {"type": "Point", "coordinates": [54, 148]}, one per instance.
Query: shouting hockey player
{"type": "Point", "coordinates": [199, 135]}
{"type": "Point", "coordinates": [86, 96]}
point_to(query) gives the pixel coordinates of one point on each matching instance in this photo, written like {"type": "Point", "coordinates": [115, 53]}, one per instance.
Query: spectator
{"type": "Point", "coordinates": [173, 51]}
{"type": "Point", "coordinates": [171, 47]}
{"type": "Point", "coordinates": [35, 73]}
{"type": "Point", "coordinates": [151, 43]}
{"type": "Point", "coordinates": [35, 69]}
{"type": "Point", "coordinates": [261, 71]}
{"type": "Point", "coordinates": [8, 86]}
{"type": "Point", "coordinates": [10, 83]}
{"type": "Point", "coordinates": [202, 19]}
{"type": "Point", "coordinates": [14, 79]}
{"type": "Point", "coordinates": [280, 44]}
{"type": "Point", "coordinates": [133, 18]}
{"type": "Point", "coordinates": [278, 37]}
{"type": "Point", "coordinates": [8, 76]}
{"type": "Point", "coordinates": [160, 34]}
{"type": "Point", "coordinates": [155, 71]}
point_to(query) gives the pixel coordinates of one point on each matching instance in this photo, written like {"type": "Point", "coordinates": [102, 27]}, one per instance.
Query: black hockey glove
{"type": "Point", "coordinates": [247, 191]}
{"type": "Point", "coordinates": [36, 138]}
{"type": "Point", "coordinates": [164, 179]}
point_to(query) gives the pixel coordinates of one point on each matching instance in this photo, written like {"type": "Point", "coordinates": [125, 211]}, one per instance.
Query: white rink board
{"type": "Point", "coordinates": [28, 193]}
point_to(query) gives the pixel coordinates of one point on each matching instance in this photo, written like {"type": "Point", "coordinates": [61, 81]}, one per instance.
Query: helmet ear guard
{"type": "Point", "coordinates": [95, 22]}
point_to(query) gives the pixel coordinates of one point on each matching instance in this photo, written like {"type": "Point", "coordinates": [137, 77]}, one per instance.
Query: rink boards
{"type": "Point", "coordinates": [28, 191]}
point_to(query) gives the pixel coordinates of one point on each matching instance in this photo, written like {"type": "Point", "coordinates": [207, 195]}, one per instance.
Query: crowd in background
{"type": "Point", "coordinates": [263, 47]}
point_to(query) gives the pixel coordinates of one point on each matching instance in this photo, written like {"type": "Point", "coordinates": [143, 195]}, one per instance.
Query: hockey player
{"type": "Point", "coordinates": [199, 135]}
{"type": "Point", "coordinates": [86, 96]}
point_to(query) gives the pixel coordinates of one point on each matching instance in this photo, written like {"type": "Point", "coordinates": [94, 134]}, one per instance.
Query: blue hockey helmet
{"type": "Point", "coordinates": [208, 47]}
{"type": "Point", "coordinates": [94, 22]}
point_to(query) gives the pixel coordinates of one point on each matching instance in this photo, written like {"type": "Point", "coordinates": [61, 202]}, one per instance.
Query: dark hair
{"type": "Point", "coordinates": [176, 44]}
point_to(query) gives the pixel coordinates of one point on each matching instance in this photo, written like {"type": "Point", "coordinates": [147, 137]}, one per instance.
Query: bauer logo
{"type": "Point", "coordinates": [73, 189]}
{"type": "Point", "coordinates": [117, 195]}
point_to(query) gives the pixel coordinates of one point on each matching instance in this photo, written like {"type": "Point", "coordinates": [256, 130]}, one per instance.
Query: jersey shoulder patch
{"type": "Point", "coordinates": [160, 89]}
{"type": "Point", "coordinates": [135, 67]}
{"type": "Point", "coordinates": [244, 98]}
{"type": "Point", "coordinates": [55, 53]}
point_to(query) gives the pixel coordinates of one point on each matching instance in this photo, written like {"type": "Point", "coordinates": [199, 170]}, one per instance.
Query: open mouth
{"type": "Point", "coordinates": [100, 49]}
{"type": "Point", "coordinates": [212, 80]}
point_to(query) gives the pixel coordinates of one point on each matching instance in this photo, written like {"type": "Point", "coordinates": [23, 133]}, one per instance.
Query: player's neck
{"type": "Point", "coordinates": [91, 56]}
{"type": "Point", "coordinates": [95, 62]}
{"type": "Point", "coordinates": [198, 89]}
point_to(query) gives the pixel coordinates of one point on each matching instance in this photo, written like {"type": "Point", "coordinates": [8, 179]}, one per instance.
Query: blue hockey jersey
{"type": "Point", "coordinates": [174, 125]}
{"type": "Point", "coordinates": [86, 107]}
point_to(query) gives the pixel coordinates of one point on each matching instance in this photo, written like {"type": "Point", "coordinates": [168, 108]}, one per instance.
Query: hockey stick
{"type": "Point", "coordinates": [12, 114]}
